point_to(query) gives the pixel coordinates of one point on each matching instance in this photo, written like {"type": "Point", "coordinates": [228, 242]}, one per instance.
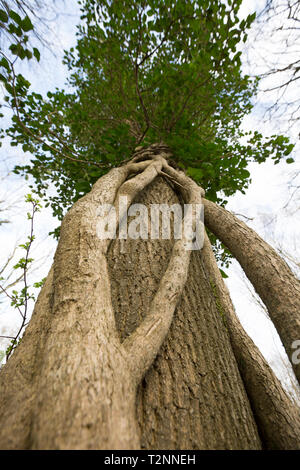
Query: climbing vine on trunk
{"type": "Point", "coordinates": [87, 393]}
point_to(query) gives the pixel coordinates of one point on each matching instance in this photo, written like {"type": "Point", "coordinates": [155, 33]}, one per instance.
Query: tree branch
{"type": "Point", "coordinates": [266, 270]}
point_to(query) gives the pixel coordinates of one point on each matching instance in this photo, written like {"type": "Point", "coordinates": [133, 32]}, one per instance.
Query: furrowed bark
{"type": "Point", "coordinates": [105, 316]}
{"type": "Point", "coordinates": [82, 394]}
{"type": "Point", "coordinates": [267, 271]}
{"type": "Point", "coordinates": [152, 331]}
{"type": "Point", "coordinates": [16, 378]}
{"type": "Point", "coordinates": [30, 417]}
{"type": "Point", "coordinates": [192, 397]}
{"type": "Point", "coordinates": [277, 417]}
{"type": "Point", "coordinates": [100, 394]}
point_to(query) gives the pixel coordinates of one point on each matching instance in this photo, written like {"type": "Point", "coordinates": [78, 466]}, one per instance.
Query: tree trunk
{"type": "Point", "coordinates": [277, 417]}
{"type": "Point", "coordinates": [193, 396]}
{"type": "Point", "coordinates": [267, 271]}
{"type": "Point", "coordinates": [99, 366]}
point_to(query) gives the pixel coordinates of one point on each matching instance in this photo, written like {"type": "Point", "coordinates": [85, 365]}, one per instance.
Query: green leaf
{"type": "Point", "coordinates": [28, 54]}
{"type": "Point", "coordinates": [26, 24]}
{"type": "Point", "coordinates": [4, 63]}
{"type": "Point", "coordinates": [3, 16]}
{"type": "Point", "coordinates": [18, 49]}
{"type": "Point", "coordinates": [244, 173]}
{"type": "Point", "coordinates": [14, 16]}
{"type": "Point", "coordinates": [36, 54]}
{"type": "Point", "coordinates": [224, 275]}
{"type": "Point", "coordinates": [82, 186]}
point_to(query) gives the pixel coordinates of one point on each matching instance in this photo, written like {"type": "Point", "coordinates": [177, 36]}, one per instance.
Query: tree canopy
{"type": "Point", "coordinates": [143, 72]}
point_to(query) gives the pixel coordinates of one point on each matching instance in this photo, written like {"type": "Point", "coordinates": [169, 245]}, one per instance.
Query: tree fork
{"type": "Point", "coordinates": [192, 396]}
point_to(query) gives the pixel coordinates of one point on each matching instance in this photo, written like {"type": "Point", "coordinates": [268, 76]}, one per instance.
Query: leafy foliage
{"type": "Point", "coordinates": [15, 28]}
{"type": "Point", "coordinates": [145, 72]}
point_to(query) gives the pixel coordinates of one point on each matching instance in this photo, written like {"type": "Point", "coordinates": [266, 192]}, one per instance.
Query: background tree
{"type": "Point", "coordinates": [152, 80]}
{"type": "Point", "coordinates": [41, 15]}
{"type": "Point", "coordinates": [275, 53]}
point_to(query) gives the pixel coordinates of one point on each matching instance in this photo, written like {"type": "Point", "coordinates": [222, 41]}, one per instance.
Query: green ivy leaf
{"type": "Point", "coordinates": [4, 63]}
{"type": "Point", "coordinates": [16, 17]}
{"type": "Point", "coordinates": [224, 275]}
{"type": "Point", "coordinates": [3, 16]}
{"type": "Point", "coordinates": [26, 24]}
{"type": "Point", "coordinates": [36, 54]}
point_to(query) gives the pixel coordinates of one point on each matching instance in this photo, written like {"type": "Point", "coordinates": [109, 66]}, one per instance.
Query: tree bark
{"type": "Point", "coordinates": [84, 396]}
{"type": "Point", "coordinates": [99, 366]}
{"type": "Point", "coordinates": [267, 271]}
{"type": "Point", "coordinates": [277, 417]}
{"type": "Point", "coordinates": [192, 397]}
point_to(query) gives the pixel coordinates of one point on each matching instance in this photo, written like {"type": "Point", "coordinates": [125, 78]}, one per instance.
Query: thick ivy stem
{"type": "Point", "coordinates": [267, 271]}
{"type": "Point", "coordinates": [277, 417]}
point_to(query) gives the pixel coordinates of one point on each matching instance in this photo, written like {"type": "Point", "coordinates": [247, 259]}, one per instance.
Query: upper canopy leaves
{"type": "Point", "coordinates": [143, 72]}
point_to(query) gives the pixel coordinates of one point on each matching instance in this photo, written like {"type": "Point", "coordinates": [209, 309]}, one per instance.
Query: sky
{"type": "Point", "coordinates": [263, 204]}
